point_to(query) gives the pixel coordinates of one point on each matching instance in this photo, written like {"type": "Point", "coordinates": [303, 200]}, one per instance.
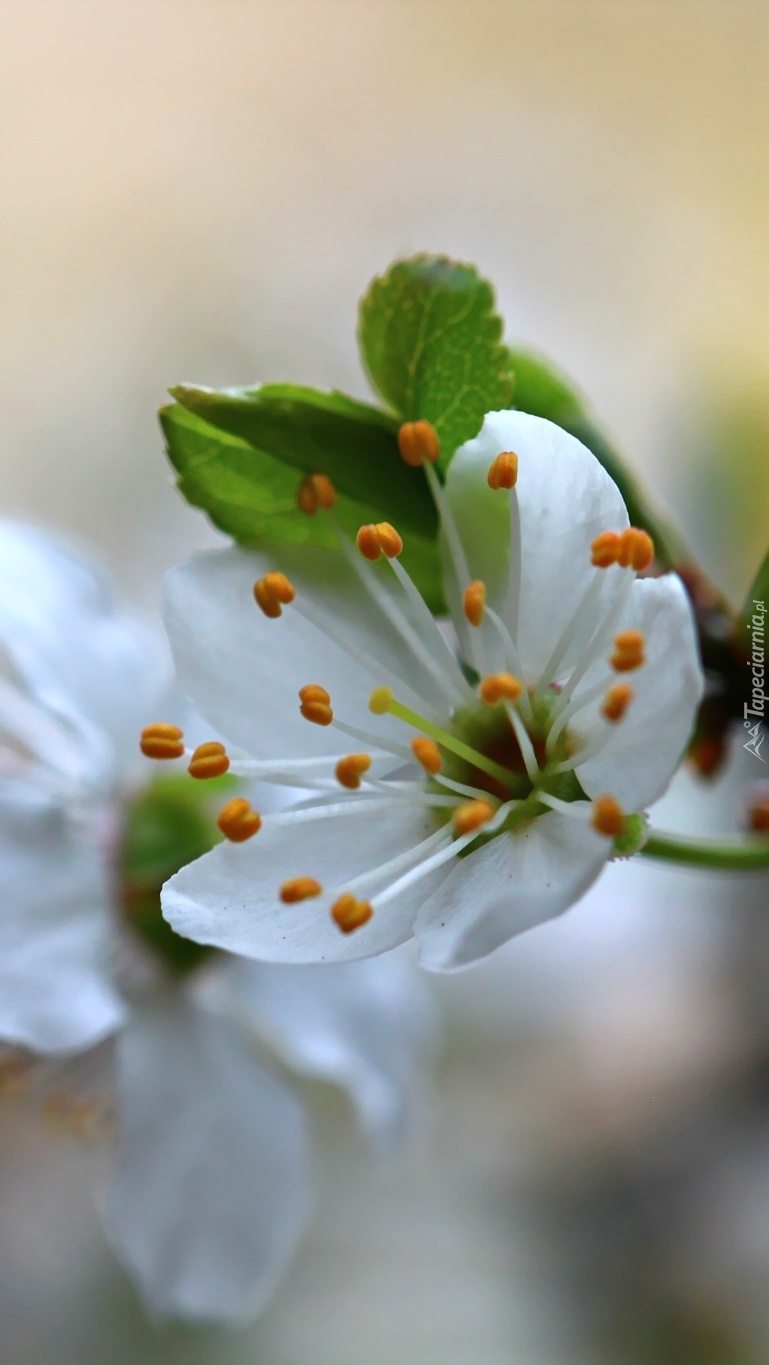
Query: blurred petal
{"type": "Point", "coordinates": [365, 1025]}
{"type": "Point", "coordinates": [210, 1191]}
{"type": "Point", "coordinates": [55, 988]}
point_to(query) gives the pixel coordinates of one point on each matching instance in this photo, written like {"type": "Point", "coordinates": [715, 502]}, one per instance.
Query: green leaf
{"type": "Point", "coordinates": [430, 340]}
{"type": "Point", "coordinates": [543, 390]}
{"type": "Point", "coordinates": [251, 496]}
{"type": "Point", "coordinates": [323, 433]}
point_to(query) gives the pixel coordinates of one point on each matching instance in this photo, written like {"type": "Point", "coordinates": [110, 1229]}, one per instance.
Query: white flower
{"type": "Point", "coordinates": [567, 708]}
{"type": "Point", "coordinates": [210, 1184]}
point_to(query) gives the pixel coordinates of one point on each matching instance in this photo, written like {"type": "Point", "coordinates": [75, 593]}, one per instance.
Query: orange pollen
{"type": "Point", "coordinates": [427, 753]}
{"type": "Point", "coordinates": [500, 687]}
{"type": "Point", "coordinates": [316, 704]}
{"type": "Point", "coordinates": [758, 816]}
{"type": "Point", "coordinates": [608, 817]}
{"type": "Point", "coordinates": [349, 770]}
{"type": "Point", "coordinates": [471, 816]}
{"type": "Point", "coordinates": [628, 651]}
{"type": "Point", "coordinates": [379, 539]}
{"type": "Point", "coordinates": [617, 701]}
{"type": "Point", "coordinates": [273, 592]}
{"type": "Point", "coordinates": [162, 741]}
{"type": "Point", "coordinates": [238, 820]}
{"type": "Point", "coordinates": [503, 472]}
{"type": "Point", "coordinates": [315, 491]}
{"type": "Point", "coordinates": [350, 914]}
{"type": "Point", "coordinates": [636, 549]}
{"type": "Point", "coordinates": [605, 549]}
{"type": "Point", "coordinates": [299, 889]}
{"type": "Point", "coordinates": [209, 760]}
{"type": "Point", "coordinates": [418, 443]}
{"type": "Point", "coordinates": [475, 602]}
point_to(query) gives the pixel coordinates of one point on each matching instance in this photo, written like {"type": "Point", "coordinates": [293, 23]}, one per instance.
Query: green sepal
{"type": "Point", "coordinates": [251, 496]}
{"type": "Point", "coordinates": [633, 837]}
{"type": "Point", "coordinates": [431, 344]}
{"type": "Point", "coordinates": [167, 825]}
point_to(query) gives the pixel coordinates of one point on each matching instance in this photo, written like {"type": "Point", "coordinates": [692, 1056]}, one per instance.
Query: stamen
{"type": "Point", "coordinates": [504, 471]}
{"type": "Point", "coordinates": [636, 549]}
{"type": "Point", "coordinates": [605, 549]}
{"type": "Point", "coordinates": [377, 539]}
{"type": "Point", "coordinates": [382, 700]}
{"type": "Point", "coordinates": [595, 644]}
{"type": "Point", "coordinates": [418, 443]}
{"type": "Point", "coordinates": [448, 851]}
{"type": "Point", "coordinates": [512, 658]}
{"type": "Point", "coordinates": [315, 704]}
{"type": "Point", "coordinates": [427, 753]}
{"type": "Point", "coordinates": [315, 491]}
{"type": "Point", "coordinates": [608, 817]}
{"type": "Point", "coordinates": [524, 744]}
{"type": "Point", "coordinates": [349, 770]}
{"type": "Point", "coordinates": [162, 741]}
{"type": "Point", "coordinates": [471, 816]}
{"type": "Point", "coordinates": [500, 687]}
{"type": "Point", "coordinates": [628, 651]}
{"type": "Point", "coordinates": [350, 914]}
{"type": "Point", "coordinates": [299, 889]}
{"type": "Point", "coordinates": [272, 593]}
{"type": "Point", "coordinates": [617, 701]}
{"type": "Point", "coordinates": [238, 820]}
{"type": "Point", "coordinates": [209, 760]}
{"type": "Point", "coordinates": [475, 602]}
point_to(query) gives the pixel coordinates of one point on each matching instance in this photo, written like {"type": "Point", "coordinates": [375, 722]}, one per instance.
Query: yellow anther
{"type": "Point", "coordinates": [349, 770]}
{"type": "Point", "coordinates": [475, 602]}
{"type": "Point", "coordinates": [299, 889]}
{"type": "Point", "coordinates": [380, 699]}
{"type": "Point", "coordinates": [471, 816]}
{"type": "Point", "coordinates": [608, 817]}
{"type": "Point", "coordinates": [504, 471]}
{"type": "Point", "coordinates": [315, 491]}
{"type": "Point", "coordinates": [315, 704]}
{"type": "Point", "coordinates": [350, 914]}
{"type": "Point", "coordinates": [628, 651]}
{"type": "Point", "coordinates": [209, 760]}
{"type": "Point", "coordinates": [418, 443]}
{"type": "Point", "coordinates": [162, 741]}
{"type": "Point", "coordinates": [636, 549]}
{"type": "Point", "coordinates": [617, 701]}
{"type": "Point", "coordinates": [427, 753]}
{"type": "Point", "coordinates": [377, 539]}
{"type": "Point", "coordinates": [273, 592]}
{"type": "Point", "coordinates": [238, 820]}
{"type": "Point", "coordinates": [500, 687]}
{"type": "Point", "coordinates": [605, 549]}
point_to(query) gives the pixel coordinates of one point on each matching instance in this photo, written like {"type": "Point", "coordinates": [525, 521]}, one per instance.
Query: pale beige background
{"type": "Point", "coordinates": [200, 189]}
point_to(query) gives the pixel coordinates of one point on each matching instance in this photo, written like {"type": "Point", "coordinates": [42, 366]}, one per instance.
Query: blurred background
{"type": "Point", "coordinates": [200, 190]}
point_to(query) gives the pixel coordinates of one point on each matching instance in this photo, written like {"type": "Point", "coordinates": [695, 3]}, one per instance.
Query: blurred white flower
{"type": "Point", "coordinates": [518, 785]}
{"type": "Point", "coordinates": [185, 1047]}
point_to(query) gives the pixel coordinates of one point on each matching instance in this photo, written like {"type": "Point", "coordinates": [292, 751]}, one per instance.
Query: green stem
{"type": "Point", "coordinates": [729, 855]}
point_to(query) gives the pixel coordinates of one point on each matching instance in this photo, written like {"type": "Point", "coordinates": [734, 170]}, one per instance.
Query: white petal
{"type": "Point", "coordinates": [365, 1025]}
{"type": "Point", "coordinates": [644, 749]}
{"type": "Point", "coordinates": [209, 1194]}
{"type": "Point", "coordinates": [56, 994]}
{"type": "Point", "coordinates": [514, 882]}
{"type": "Point", "coordinates": [565, 499]}
{"type": "Point", "coordinates": [243, 671]}
{"type": "Point", "coordinates": [480, 514]}
{"type": "Point", "coordinates": [229, 897]}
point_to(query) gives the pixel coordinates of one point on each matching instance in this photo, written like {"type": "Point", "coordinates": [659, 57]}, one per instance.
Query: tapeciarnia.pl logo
{"type": "Point", "coordinates": [757, 705]}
